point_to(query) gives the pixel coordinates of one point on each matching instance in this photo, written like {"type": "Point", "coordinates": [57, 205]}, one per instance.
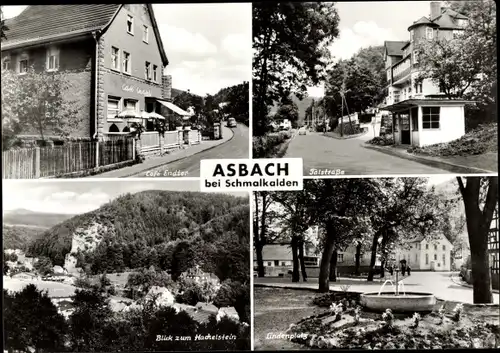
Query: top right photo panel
{"type": "Point", "coordinates": [376, 88]}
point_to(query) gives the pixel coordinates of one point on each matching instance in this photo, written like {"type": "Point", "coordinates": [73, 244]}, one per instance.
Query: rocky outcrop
{"type": "Point", "coordinates": [84, 240]}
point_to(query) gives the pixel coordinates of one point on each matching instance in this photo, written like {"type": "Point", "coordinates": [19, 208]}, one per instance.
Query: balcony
{"type": "Point", "coordinates": [401, 71]}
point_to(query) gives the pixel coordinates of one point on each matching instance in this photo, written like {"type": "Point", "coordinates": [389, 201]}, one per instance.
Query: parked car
{"type": "Point", "coordinates": [303, 131]}
{"type": "Point", "coordinates": [231, 122]}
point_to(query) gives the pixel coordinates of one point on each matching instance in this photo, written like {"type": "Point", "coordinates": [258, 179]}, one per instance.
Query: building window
{"type": "Point", "coordinates": [412, 35]}
{"type": "Point", "coordinates": [444, 247]}
{"type": "Point", "coordinates": [415, 57]}
{"type": "Point", "coordinates": [426, 246]}
{"type": "Point", "coordinates": [429, 33]}
{"type": "Point", "coordinates": [155, 73]}
{"type": "Point", "coordinates": [435, 257]}
{"type": "Point", "coordinates": [340, 257]}
{"type": "Point", "coordinates": [52, 59]}
{"type": "Point", "coordinates": [147, 70]}
{"type": "Point", "coordinates": [430, 117]}
{"type": "Point", "coordinates": [444, 259]}
{"type": "Point", "coordinates": [131, 104]}
{"type": "Point", "coordinates": [115, 58]}
{"type": "Point", "coordinates": [283, 263]}
{"type": "Point", "coordinates": [145, 34]}
{"type": "Point", "coordinates": [113, 107]}
{"type": "Point", "coordinates": [23, 64]}
{"type": "Point", "coordinates": [6, 63]}
{"type": "Point", "coordinates": [276, 263]}
{"type": "Point", "coordinates": [269, 263]}
{"type": "Point", "coordinates": [130, 24]}
{"type": "Point", "coordinates": [426, 259]}
{"type": "Point", "coordinates": [435, 247]}
{"type": "Point", "coordinates": [126, 62]}
{"type": "Point", "coordinates": [416, 257]}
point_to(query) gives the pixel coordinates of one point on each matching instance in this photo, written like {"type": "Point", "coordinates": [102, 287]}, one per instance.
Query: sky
{"type": "Point", "coordinates": [364, 24]}
{"type": "Point", "coordinates": [75, 196]}
{"type": "Point", "coordinates": [208, 45]}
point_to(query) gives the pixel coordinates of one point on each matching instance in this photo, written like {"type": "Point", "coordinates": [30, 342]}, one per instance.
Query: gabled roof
{"type": "Point", "coordinates": [38, 24]}
{"type": "Point", "coordinates": [455, 14]}
{"type": "Point", "coordinates": [394, 48]}
{"type": "Point", "coordinates": [47, 21]}
{"type": "Point", "coordinates": [447, 21]}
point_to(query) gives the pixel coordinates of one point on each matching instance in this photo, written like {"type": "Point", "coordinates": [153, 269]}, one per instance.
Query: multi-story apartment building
{"type": "Point", "coordinates": [112, 54]}
{"type": "Point", "coordinates": [421, 113]}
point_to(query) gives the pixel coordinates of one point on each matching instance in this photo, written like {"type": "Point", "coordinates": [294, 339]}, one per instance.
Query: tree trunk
{"type": "Point", "coordinates": [382, 265]}
{"type": "Point", "coordinates": [324, 267]}
{"type": "Point", "coordinates": [358, 259]}
{"type": "Point", "coordinates": [333, 266]}
{"type": "Point", "coordinates": [260, 261]}
{"type": "Point", "coordinates": [373, 258]}
{"type": "Point", "coordinates": [478, 225]}
{"type": "Point", "coordinates": [295, 270]}
{"type": "Point", "coordinates": [301, 259]}
{"type": "Point", "coordinates": [383, 259]}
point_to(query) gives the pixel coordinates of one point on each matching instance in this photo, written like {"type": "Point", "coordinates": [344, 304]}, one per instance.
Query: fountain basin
{"type": "Point", "coordinates": [408, 302]}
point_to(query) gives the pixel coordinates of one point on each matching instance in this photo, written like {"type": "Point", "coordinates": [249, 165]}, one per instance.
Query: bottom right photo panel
{"type": "Point", "coordinates": [377, 263]}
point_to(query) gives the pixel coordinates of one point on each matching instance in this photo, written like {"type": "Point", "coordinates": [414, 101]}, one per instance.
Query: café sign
{"type": "Point", "coordinates": [131, 88]}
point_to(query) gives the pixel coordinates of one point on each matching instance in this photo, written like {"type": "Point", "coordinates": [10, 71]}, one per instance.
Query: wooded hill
{"type": "Point", "coordinates": [169, 230]}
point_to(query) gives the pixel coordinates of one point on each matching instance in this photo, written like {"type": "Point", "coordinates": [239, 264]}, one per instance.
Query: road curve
{"type": "Point", "coordinates": [237, 147]}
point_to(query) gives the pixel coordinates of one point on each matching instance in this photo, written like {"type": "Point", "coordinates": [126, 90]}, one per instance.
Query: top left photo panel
{"type": "Point", "coordinates": [124, 90]}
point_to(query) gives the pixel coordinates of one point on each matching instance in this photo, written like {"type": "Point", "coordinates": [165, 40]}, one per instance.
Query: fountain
{"type": "Point", "coordinates": [409, 301]}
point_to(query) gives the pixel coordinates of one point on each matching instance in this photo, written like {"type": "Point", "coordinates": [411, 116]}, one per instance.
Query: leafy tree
{"type": "Point", "coordinates": [297, 218]}
{"type": "Point", "coordinates": [44, 266]}
{"type": "Point", "coordinates": [3, 26]}
{"type": "Point", "coordinates": [31, 321]}
{"type": "Point", "coordinates": [89, 321]}
{"type": "Point", "coordinates": [480, 196]}
{"type": "Point", "coordinates": [38, 101]}
{"type": "Point", "coordinates": [290, 42]}
{"type": "Point", "coordinates": [263, 217]}
{"type": "Point", "coordinates": [337, 205]}
{"type": "Point", "coordinates": [288, 111]}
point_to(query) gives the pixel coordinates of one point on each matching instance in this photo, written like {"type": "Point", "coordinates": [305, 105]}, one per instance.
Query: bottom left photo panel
{"type": "Point", "coordinates": [115, 266]}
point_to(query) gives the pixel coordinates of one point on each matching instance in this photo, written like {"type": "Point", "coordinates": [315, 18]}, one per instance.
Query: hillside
{"type": "Point", "coordinates": [177, 92]}
{"type": "Point", "coordinates": [19, 237]}
{"type": "Point", "coordinates": [158, 228]}
{"type": "Point", "coordinates": [25, 217]}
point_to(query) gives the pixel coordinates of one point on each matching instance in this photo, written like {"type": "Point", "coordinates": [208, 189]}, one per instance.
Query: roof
{"type": "Point", "coordinates": [394, 48]}
{"type": "Point", "coordinates": [455, 14]}
{"type": "Point", "coordinates": [272, 252]}
{"type": "Point", "coordinates": [437, 102]}
{"type": "Point", "coordinates": [38, 24]}
{"type": "Point", "coordinates": [422, 21]}
{"type": "Point", "coordinates": [447, 21]}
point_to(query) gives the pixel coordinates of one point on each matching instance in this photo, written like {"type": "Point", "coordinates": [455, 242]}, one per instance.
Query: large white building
{"type": "Point", "coordinates": [426, 255]}
{"type": "Point", "coordinates": [421, 113]}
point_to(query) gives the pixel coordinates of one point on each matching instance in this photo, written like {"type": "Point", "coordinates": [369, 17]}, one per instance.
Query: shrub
{"type": "Point", "coordinates": [268, 145]}
{"type": "Point", "coordinates": [385, 140]}
{"type": "Point", "coordinates": [348, 129]}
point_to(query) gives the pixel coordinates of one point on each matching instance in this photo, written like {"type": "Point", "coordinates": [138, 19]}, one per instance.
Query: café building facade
{"type": "Point", "coordinates": [111, 54]}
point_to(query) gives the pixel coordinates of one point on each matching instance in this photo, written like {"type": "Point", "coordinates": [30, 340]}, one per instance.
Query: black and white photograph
{"type": "Point", "coordinates": [122, 266]}
{"type": "Point", "coordinates": [377, 263]}
{"type": "Point", "coordinates": [376, 88]}
{"type": "Point", "coordinates": [123, 90]}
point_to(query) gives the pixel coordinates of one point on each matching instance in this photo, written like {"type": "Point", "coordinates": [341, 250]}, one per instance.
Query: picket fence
{"type": "Point", "coordinates": [153, 141]}
{"type": "Point", "coordinates": [46, 162]}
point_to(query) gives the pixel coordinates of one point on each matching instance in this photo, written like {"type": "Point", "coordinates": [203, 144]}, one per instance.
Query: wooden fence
{"type": "Point", "coordinates": [43, 162]}
{"type": "Point", "coordinates": [153, 141]}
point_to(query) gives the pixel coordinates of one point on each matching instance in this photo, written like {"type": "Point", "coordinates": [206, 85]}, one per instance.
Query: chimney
{"type": "Point", "coordinates": [435, 10]}
{"type": "Point", "coordinates": [166, 86]}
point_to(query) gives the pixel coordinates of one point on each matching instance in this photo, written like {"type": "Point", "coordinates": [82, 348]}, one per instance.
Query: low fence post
{"type": "Point", "coordinates": [133, 149]}
{"type": "Point", "coordinates": [97, 154]}
{"type": "Point", "coordinates": [37, 162]}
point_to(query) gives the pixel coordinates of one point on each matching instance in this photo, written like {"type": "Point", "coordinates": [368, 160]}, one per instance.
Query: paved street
{"type": "Point", "coordinates": [237, 147]}
{"type": "Point", "coordinates": [322, 152]}
{"type": "Point", "coordinates": [438, 283]}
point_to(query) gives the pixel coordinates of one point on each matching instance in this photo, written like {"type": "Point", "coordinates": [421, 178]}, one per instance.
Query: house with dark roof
{"type": "Point", "coordinates": [421, 114]}
{"type": "Point", "coordinates": [113, 56]}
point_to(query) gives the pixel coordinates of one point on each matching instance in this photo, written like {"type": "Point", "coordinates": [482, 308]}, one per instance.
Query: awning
{"type": "Point", "coordinates": [174, 108]}
{"type": "Point", "coordinates": [435, 102]}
